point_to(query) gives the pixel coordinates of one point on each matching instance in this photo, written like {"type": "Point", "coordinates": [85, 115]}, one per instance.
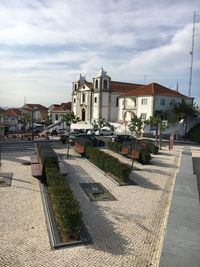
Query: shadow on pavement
{"type": "Point", "coordinates": [103, 232]}
{"type": "Point", "coordinates": [143, 182]}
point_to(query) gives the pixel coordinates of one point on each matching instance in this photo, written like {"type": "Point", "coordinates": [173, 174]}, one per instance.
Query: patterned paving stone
{"type": "Point", "coordinates": [126, 232]}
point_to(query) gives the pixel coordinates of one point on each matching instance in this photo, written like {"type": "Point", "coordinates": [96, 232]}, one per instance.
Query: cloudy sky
{"type": "Point", "coordinates": [46, 44]}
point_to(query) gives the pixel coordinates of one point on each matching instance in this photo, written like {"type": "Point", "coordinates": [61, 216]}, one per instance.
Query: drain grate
{"type": "Point", "coordinates": [97, 192]}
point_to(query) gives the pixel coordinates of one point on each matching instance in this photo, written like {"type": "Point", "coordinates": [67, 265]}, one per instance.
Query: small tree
{"type": "Point", "coordinates": [100, 123]}
{"type": "Point", "coordinates": [25, 120]}
{"type": "Point", "coordinates": [46, 119]}
{"type": "Point", "coordinates": [186, 112]}
{"type": "Point", "coordinates": [70, 118]}
{"type": "Point", "coordinates": [154, 121]}
{"type": "Point", "coordinates": [136, 126]}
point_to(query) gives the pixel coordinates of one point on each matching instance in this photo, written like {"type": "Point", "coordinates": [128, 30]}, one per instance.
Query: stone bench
{"type": "Point", "coordinates": [37, 161]}
{"type": "Point", "coordinates": [36, 166]}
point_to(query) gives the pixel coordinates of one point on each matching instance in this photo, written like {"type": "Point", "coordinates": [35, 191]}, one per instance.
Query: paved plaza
{"type": "Point", "coordinates": [126, 232]}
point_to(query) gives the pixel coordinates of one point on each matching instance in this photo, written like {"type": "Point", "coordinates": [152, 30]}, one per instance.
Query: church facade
{"type": "Point", "coordinates": [99, 98]}
{"type": "Point", "coordinates": [119, 101]}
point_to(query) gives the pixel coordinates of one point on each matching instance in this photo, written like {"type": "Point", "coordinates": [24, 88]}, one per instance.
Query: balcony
{"type": "Point", "coordinates": [130, 107]}
{"type": "Point", "coordinates": [83, 105]}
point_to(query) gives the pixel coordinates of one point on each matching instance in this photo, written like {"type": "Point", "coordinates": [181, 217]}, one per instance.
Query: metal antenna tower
{"type": "Point", "coordinates": [192, 53]}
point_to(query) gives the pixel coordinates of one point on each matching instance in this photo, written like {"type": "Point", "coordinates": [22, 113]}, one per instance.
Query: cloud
{"type": "Point", "coordinates": [45, 44]}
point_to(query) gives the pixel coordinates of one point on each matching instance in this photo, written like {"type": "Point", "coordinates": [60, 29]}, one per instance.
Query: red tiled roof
{"type": "Point", "coordinates": [153, 89]}
{"type": "Point", "coordinates": [121, 87]}
{"type": "Point", "coordinates": [13, 112]}
{"type": "Point", "coordinates": [38, 106]}
{"type": "Point", "coordinates": [63, 107]}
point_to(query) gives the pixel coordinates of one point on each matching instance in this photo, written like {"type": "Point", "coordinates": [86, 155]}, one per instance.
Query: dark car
{"type": "Point", "coordinates": [64, 138]}
{"type": "Point", "coordinates": [91, 137]}
{"type": "Point", "coordinates": [121, 138]}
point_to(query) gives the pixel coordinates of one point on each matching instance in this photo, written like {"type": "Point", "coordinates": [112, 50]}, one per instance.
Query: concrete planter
{"type": "Point", "coordinates": [52, 227]}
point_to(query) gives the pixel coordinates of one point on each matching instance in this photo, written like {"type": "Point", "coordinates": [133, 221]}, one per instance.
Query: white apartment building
{"type": "Point", "coordinates": [148, 100]}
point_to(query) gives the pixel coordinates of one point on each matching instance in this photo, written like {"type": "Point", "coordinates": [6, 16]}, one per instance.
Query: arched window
{"type": "Point", "coordinates": [75, 86]}
{"type": "Point", "coordinates": [96, 84]}
{"type": "Point", "coordinates": [105, 84]}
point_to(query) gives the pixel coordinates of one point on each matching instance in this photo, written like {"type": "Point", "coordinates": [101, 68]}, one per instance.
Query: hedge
{"type": "Point", "coordinates": [108, 163]}
{"type": "Point", "coordinates": [114, 146]}
{"type": "Point", "coordinates": [63, 201]}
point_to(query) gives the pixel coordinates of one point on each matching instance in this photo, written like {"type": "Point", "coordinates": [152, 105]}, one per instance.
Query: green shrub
{"type": "Point", "coordinates": [145, 156]}
{"type": "Point", "coordinates": [63, 201]}
{"type": "Point", "coordinates": [108, 163]}
{"type": "Point", "coordinates": [114, 146]}
{"type": "Point", "coordinates": [152, 148]}
{"type": "Point", "coordinates": [194, 133]}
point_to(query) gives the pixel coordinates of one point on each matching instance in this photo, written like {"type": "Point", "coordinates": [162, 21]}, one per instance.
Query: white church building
{"type": "Point", "coordinates": [118, 101]}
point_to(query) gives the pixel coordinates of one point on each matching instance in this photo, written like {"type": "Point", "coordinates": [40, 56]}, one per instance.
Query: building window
{"type": "Point", "coordinates": [172, 102]}
{"type": "Point", "coordinates": [162, 102]}
{"type": "Point", "coordinates": [117, 102]}
{"type": "Point", "coordinates": [144, 101]}
{"type": "Point", "coordinates": [105, 84]}
{"type": "Point", "coordinates": [95, 99]}
{"type": "Point", "coordinates": [83, 98]}
{"type": "Point", "coordinates": [74, 100]}
{"type": "Point", "coordinates": [96, 84]}
{"type": "Point", "coordinates": [56, 117]}
{"type": "Point", "coordinates": [143, 116]}
{"type": "Point", "coordinates": [75, 86]}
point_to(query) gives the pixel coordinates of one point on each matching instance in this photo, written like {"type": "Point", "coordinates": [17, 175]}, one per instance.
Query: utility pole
{"type": "Point", "coordinates": [192, 53]}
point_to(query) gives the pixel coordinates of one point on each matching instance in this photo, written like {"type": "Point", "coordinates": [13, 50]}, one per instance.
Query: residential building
{"type": "Point", "coordinates": [148, 100]}
{"type": "Point", "coordinates": [37, 111]}
{"type": "Point", "coordinates": [11, 118]}
{"type": "Point", "coordinates": [57, 111]}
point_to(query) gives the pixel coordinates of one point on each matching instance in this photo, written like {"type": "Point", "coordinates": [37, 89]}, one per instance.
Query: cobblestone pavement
{"type": "Point", "coordinates": [127, 232]}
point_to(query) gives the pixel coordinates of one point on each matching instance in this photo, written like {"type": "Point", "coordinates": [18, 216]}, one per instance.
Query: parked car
{"type": "Point", "coordinates": [90, 137]}
{"type": "Point", "coordinates": [104, 132]}
{"type": "Point", "coordinates": [64, 138]}
{"type": "Point", "coordinates": [121, 138]}
{"type": "Point", "coordinates": [92, 131]}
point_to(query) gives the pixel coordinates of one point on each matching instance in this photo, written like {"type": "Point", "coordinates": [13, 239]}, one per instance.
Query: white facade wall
{"type": "Point", "coordinates": [120, 109]}
{"type": "Point", "coordinates": [114, 108]}
{"type": "Point", "coordinates": [95, 111]}
{"type": "Point", "coordinates": [143, 108]}
{"type": "Point", "coordinates": [104, 105]}
{"type": "Point", "coordinates": [74, 97]}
